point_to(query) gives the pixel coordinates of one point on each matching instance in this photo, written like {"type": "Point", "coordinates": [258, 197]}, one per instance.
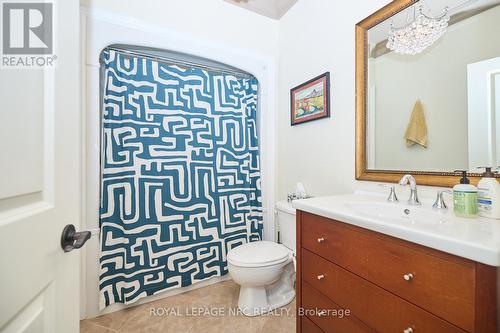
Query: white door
{"type": "Point", "coordinates": [483, 94]}
{"type": "Point", "coordinates": [40, 149]}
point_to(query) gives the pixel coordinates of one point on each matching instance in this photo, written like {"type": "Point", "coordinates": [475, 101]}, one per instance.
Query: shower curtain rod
{"type": "Point", "coordinates": [154, 54]}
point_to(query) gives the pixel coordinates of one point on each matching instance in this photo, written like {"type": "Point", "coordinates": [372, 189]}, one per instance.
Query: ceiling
{"type": "Point", "coordinates": [274, 9]}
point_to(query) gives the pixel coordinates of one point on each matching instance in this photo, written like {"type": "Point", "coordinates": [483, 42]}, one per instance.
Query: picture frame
{"type": "Point", "coordinates": [310, 100]}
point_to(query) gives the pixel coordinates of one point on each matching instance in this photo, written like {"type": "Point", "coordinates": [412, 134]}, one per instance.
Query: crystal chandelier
{"type": "Point", "coordinates": [418, 35]}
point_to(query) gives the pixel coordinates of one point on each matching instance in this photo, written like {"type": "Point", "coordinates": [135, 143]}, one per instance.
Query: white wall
{"type": "Point", "coordinates": [208, 28]}
{"type": "Point", "coordinates": [318, 36]}
{"type": "Point", "coordinates": [208, 20]}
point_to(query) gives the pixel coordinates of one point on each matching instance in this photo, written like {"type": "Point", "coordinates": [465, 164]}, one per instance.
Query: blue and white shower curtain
{"type": "Point", "coordinates": [180, 175]}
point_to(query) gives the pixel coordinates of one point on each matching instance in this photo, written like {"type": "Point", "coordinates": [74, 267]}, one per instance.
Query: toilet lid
{"type": "Point", "coordinates": [260, 253]}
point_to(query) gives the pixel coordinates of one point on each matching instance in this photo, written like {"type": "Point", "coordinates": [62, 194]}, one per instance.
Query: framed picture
{"type": "Point", "coordinates": [310, 100]}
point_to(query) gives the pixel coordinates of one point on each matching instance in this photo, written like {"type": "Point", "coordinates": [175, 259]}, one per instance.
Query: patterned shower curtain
{"type": "Point", "coordinates": [180, 175]}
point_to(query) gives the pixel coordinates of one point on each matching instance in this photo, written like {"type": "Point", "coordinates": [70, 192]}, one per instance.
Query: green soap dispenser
{"type": "Point", "coordinates": [464, 197]}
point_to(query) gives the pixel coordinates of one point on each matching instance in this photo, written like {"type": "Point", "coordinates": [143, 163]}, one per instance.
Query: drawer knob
{"type": "Point", "coordinates": [408, 277]}
{"type": "Point", "coordinates": [321, 240]}
{"type": "Point", "coordinates": [321, 277]}
{"type": "Point", "coordinates": [408, 330]}
{"type": "Point", "coordinates": [321, 313]}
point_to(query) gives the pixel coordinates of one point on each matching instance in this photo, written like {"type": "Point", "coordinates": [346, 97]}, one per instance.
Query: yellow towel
{"type": "Point", "coordinates": [416, 132]}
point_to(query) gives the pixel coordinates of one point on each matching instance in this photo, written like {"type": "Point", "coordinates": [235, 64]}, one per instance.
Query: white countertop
{"type": "Point", "coordinates": [477, 239]}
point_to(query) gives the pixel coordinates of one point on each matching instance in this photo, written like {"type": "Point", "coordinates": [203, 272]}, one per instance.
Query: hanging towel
{"type": "Point", "coordinates": [416, 132]}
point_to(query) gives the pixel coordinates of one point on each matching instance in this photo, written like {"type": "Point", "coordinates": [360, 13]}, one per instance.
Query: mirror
{"type": "Point", "coordinates": [429, 100]}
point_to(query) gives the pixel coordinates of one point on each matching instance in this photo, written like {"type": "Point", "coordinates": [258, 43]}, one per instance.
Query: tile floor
{"type": "Point", "coordinates": [220, 297]}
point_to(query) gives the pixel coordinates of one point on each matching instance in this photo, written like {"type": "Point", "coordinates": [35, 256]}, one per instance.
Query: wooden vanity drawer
{"type": "Point", "coordinates": [309, 327]}
{"type": "Point", "coordinates": [373, 305]}
{"type": "Point", "coordinates": [440, 283]}
{"type": "Point", "coordinates": [316, 302]}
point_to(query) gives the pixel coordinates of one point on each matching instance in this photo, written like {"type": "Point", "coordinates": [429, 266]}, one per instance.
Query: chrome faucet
{"type": "Point", "coordinates": [392, 195]}
{"type": "Point", "coordinates": [413, 199]}
{"type": "Point", "coordinates": [440, 203]}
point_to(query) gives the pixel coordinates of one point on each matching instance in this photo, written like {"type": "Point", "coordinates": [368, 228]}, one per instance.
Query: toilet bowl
{"type": "Point", "coordinates": [265, 270]}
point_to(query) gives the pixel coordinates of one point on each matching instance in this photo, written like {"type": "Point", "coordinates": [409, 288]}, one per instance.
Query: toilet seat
{"type": "Point", "coordinates": [259, 254]}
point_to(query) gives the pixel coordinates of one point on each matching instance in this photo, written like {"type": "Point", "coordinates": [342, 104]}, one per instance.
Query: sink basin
{"type": "Point", "coordinates": [393, 212]}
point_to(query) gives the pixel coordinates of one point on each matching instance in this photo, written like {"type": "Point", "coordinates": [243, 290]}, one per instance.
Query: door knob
{"type": "Point", "coordinates": [70, 239]}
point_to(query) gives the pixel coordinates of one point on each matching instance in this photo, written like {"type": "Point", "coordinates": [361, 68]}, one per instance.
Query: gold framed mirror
{"type": "Point", "coordinates": [449, 148]}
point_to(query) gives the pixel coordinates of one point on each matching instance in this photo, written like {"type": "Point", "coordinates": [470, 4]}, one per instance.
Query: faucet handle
{"type": "Point", "coordinates": [439, 203]}
{"type": "Point", "coordinates": [392, 195]}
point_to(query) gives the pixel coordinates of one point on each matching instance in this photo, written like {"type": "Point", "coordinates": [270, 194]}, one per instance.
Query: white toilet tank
{"type": "Point", "coordinates": [286, 224]}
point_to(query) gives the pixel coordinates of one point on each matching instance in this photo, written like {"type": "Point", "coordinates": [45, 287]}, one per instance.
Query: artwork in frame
{"type": "Point", "coordinates": [310, 100]}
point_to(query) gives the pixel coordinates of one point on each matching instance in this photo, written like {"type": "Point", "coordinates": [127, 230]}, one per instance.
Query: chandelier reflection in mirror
{"type": "Point", "coordinates": [418, 35]}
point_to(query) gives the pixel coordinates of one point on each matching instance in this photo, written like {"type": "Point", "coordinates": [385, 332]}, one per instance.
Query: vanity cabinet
{"type": "Point", "coordinates": [387, 284]}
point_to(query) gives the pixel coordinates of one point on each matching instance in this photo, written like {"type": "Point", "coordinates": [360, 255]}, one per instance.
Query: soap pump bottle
{"type": "Point", "coordinates": [464, 197]}
{"type": "Point", "coordinates": [488, 196]}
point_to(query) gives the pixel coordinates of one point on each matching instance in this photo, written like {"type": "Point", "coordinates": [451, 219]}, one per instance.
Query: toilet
{"type": "Point", "coordinates": [265, 270]}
